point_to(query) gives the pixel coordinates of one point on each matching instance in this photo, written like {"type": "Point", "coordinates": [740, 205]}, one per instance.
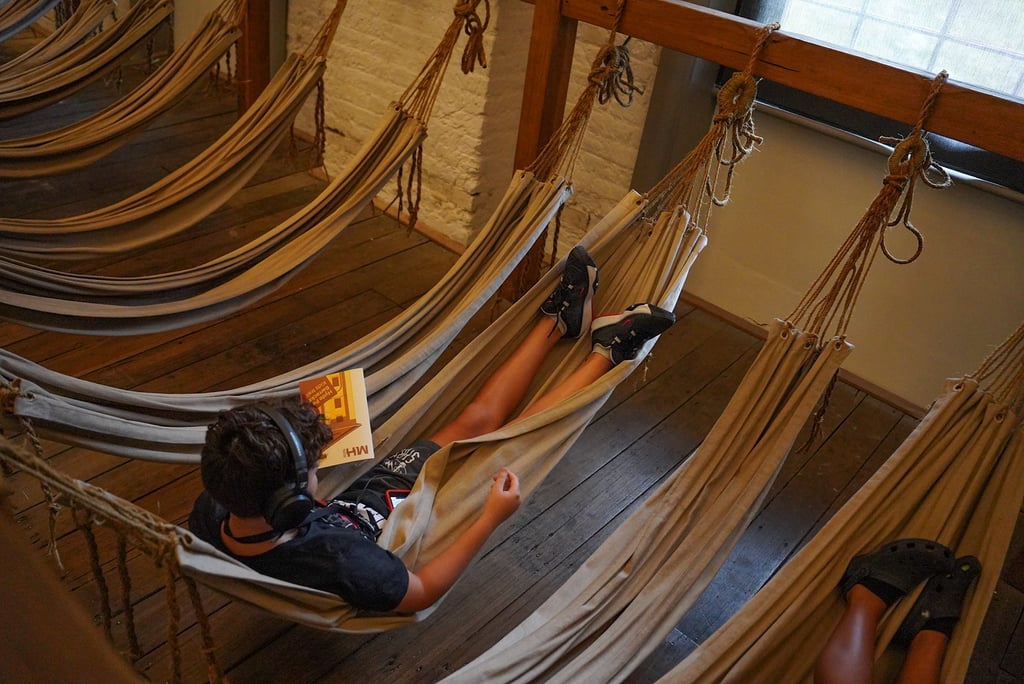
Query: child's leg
{"type": "Point", "coordinates": [873, 582]}
{"type": "Point", "coordinates": [848, 656]}
{"type": "Point", "coordinates": [929, 625]}
{"type": "Point", "coordinates": [567, 313]}
{"type": "Point", "coordinates": [501, 394]}
{"type": "Point", "coordinates": [924, 658]}
{"type": "Point", "coordinates": [617, 338]}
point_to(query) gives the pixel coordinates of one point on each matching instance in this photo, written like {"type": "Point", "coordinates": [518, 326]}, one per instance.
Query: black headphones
{"type": "Point", "coordinates": [289, 505]}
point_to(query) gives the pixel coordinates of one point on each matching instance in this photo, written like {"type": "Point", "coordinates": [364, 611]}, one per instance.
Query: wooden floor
{"type": "Point", "coordinates": [377, 268]}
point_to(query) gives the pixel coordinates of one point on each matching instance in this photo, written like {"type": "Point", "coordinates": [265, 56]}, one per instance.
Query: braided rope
{"type": "Point", "coordinates": [827, 307]}
{"type": "Point", "coordinates": [696, 183]}
{"type": "Point", "coordinates": [92, 505]}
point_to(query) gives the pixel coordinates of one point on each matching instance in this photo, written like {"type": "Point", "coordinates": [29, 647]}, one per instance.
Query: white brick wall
{"type": "Point", "coordinates": [379, 48]}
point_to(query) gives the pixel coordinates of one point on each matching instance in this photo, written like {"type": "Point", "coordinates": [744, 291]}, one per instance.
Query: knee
{"type": "Point", "coordinates": [477, 419]}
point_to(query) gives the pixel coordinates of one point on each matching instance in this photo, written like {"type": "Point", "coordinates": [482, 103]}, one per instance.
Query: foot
{"type": "Point", "coordinates": [897, 567]}
{"type": "Point", "coordinates": [571, 304]}
{"type": "Point", "coordinates": [939, 605]}
{"type": "Point", "coordinates": [619, 337]}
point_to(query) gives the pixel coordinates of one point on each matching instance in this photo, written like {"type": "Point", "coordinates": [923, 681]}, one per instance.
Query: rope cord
{"type": "Point", "coordinates": [92, 505]}
{"type": "Point", "coordinates": [826, 308]}
{"type": "Point", "coordinates": [1003, 371]}
{"type": "Point", "coordinates": [126, 597]}
{"type": "Point", "coordinates": [696, 182]}
{"type": "Point", "coordinates": [611, 76]}
{"type": "Point", "coordinates": [418, 99]}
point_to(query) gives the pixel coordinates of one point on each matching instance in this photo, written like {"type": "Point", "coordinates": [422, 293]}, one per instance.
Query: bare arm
{"type": "Point", "coordinates": [430, 582]}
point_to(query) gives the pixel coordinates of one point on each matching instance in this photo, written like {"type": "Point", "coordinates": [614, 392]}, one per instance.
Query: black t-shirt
{"type": "Point", "coordinates": [331, 552]}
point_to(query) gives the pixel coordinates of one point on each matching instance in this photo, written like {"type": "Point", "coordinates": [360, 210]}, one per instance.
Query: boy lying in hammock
{"type": "Point", "coordinates": [259, 466]}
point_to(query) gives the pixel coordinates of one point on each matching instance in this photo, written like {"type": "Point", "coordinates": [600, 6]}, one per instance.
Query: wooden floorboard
{"type": "Point", "coordinates": [650, 425]}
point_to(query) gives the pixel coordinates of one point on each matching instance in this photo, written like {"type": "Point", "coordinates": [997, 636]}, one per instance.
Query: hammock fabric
{"type": "Point", "coordinates": [645, 248]}
{"type": "Point", "coordinates": [958, 479]}
{"type": "Point", "coordinates": [171, 426]}
{"type": "Point", "coordinates": [191, 192]}
{"type": "Point", "coordinates": [18, 15]}
{"type": "Point", "coordinates": [83, 142]}
{"type": "Point", "coordinates": [640, 582]}
{"type": "Point", "coordinates": [89, 17]}
{"type": "Point", "coordinates": [58, 78]}
{"type": "Point", "coordinates": [641, 260]}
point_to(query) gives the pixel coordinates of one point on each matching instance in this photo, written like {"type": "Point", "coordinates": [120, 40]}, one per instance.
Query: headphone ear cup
{"type": "Point", "coordinates": [288, 507]}
{"type": "Point", "coordinates": [289, 504]}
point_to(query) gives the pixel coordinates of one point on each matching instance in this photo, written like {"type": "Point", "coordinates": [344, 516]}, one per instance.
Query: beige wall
{"type": "Point", "coordinates": [796, 200]}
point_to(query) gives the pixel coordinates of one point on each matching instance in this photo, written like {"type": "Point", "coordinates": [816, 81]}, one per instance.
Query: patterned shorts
{"type": "Point", "coordinates": [388, 483]}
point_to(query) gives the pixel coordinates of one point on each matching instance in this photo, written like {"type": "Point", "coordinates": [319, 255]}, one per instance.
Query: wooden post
{"type": "Point", "coordinates": [254, 53]}
{"type": "Point", "coordinates": [548, 69]}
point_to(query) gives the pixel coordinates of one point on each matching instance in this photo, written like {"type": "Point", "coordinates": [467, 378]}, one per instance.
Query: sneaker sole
{"type": "Point", "coordinates": [648, 309]}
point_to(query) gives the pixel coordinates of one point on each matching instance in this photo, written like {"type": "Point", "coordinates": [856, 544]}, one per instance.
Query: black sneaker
{"type": "Point", "coordinates": [571, 304]}
{"type": "Point", "coordinates": [620, 336]}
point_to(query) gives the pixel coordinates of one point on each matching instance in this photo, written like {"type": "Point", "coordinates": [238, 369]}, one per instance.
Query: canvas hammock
{"type": "Point", "coordinates": [645, 246]}
{"type": "Point", "coordinates": [87, 18]}
{"type": "Point", "coordinates": [170, 427]}
{"type": "Point", "coordinates": [58, 78]}
{"type": "Point", "coordinates": [192, 191]}
{"type": "Point", "coordinates": [636, 587]}
{"type": "Point", "coordinates": [18, 15]}
{"type": "Point", "coordinates": [958, 479]}
{"type": "Point", "coordinates": [79, 144]}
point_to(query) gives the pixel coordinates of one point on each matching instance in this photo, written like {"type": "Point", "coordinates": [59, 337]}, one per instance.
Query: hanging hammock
{"type": "Point", "coordinates": [89, 17]}
{"type": "Point", "coordinates": [83, 142]}
{"type": "Point", "coordinates": [18, 15]}
{"type": "Point", "coordinates": [171, 427]}
{"type": "Point", "coordinates": [958, 478]}
{"type": "Point", "coordinates": [637, 586]}
{"type": "Point", "coordinates": [645, 246]}
{"type": "Point", "coordinates": [191, 192]}
{"type": "Point", "coordinates": [58, 78]}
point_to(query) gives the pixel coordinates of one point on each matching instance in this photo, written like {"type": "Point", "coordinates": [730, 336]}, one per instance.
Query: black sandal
{"type": "Point", "coordinates": [941, 599]}
{"type": "Point", "coordinates": [902, 565]}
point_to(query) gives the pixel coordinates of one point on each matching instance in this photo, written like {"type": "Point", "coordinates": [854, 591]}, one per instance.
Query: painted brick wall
{"type": "Point", "coordinates": [379, 48]}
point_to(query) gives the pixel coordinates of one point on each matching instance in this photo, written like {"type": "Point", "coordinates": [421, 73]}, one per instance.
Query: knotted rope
{"type": "Point", "coordinates": [826, 308]}
{"type": "Point", "coordinates": [695, 183]}
{"type": "Point", "coordinates": [474, 28]}
{"type": "Point", "coordinates": [92, 506]}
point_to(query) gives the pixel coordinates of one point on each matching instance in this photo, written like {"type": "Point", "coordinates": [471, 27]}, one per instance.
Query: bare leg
{"type": "Point", "coordinates": [848, 656]}
{"type": "Point", "coordinates": [924, 658]}
{"type": "Point", "coordinates": [590, 370]}
{"type": "Point", "coordinates": [504, 390]}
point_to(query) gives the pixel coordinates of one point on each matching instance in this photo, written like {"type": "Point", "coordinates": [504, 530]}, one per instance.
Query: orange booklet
{"type": "Point", "coordinates": [341, 398]}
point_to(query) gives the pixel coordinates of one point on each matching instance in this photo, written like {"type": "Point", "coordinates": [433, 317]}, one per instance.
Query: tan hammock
{"type": "Point", "coordinates": [171, 426]}
{"type": "Point", "coordinates": [191, 192]}
{"type": "Point", "coordinates": [958, 479]}
{"type": "Point", "coordinates": [89, 17]}
{"type": "Point", "coordinates": [78, 145]}
{"type": "Point", "coordinates": [18, 15]}
{"type": "Point", "coordinates": [641, 259]}
{"type": "Point", "coordinates": [636, 587]}
{"type": "Point", "coordinates": [58, 78]}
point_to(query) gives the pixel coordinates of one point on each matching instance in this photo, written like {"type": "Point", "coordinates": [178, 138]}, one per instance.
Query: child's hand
{"type": "Point", "coordinates": [503, 499]}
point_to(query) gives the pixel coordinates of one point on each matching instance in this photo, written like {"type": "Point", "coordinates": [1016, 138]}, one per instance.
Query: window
{"type": "Point", "coordinates": [979, 42]}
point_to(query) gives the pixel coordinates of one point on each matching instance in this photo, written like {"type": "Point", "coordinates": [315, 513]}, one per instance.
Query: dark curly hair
{"type": "Point", "coordinates": [246, 457]}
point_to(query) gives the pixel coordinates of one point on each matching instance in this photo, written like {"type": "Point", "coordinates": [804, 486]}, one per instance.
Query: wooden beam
{"type": "Point", "coordinates": [548, 69]}
{"type": "Point", "coordinates": [254, 53]}
{"type": "Point", "coordinates": [961, 112]}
